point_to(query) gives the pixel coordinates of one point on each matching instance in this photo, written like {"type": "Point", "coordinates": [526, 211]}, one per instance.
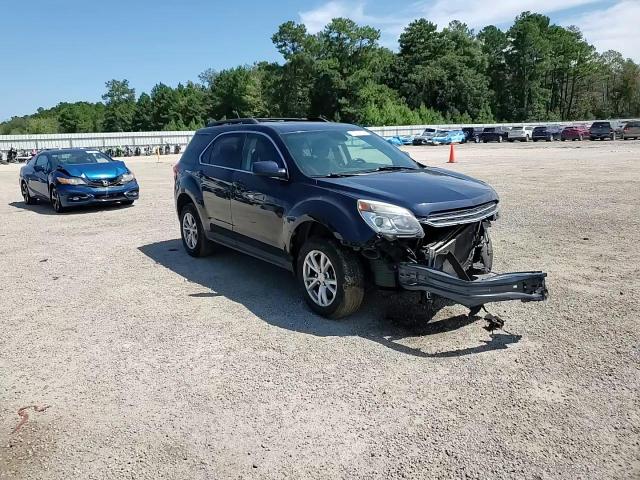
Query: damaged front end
{"type": "Point", "coordinates": [452, 260]}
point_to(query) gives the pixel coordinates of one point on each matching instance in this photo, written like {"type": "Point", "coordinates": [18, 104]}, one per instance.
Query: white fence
{"type": "Point", "coordinates": [102, 140]}
{"type": "Point", "coordinates": [94, 140]}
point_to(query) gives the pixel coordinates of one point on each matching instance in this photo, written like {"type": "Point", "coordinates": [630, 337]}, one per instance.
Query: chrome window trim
{"type": "Point", "coordinates": [243, 132]}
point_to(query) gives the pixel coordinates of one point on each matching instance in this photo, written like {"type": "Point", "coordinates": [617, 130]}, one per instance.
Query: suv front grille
{"type": "Point", "coordinates": [462, 216]}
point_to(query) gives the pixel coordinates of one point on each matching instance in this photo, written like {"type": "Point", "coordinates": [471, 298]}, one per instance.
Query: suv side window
{"type": "Point", "coordinates": [226, 151]}
{"type": "Point", "coordinates": [41, 161]}
{"type": "Point", "coordinates": [258, 148]}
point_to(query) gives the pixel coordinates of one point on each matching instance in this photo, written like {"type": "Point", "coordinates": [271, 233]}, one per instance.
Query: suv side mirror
{"type": "Point", "coordinates": [268, 169]}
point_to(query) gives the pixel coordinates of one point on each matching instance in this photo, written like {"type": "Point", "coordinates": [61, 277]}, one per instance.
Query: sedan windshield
{"type": "Point", "coordinates": [80, 157]}
{"type": "Point", "coordinates": [343, 152]}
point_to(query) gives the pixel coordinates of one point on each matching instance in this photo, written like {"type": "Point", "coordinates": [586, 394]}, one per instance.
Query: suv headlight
{"type": "Point", "coordinates": [389, 220]}
{"type": "Point", "coordinates": [71, 181]}
{"type": "Point", "coordinates": [127, 177]}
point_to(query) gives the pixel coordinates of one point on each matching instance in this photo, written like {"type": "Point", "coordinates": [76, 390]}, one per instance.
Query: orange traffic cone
{"type": "Point", "coordinates": [452, 154]}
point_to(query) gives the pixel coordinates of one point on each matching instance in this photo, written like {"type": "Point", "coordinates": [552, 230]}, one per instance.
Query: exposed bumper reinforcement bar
{"type": "Point", "coordinates": [524, 286]}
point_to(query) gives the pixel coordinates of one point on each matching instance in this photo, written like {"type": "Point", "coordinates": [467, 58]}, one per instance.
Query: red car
{"type": "Point", "coordinates": [574, 132]}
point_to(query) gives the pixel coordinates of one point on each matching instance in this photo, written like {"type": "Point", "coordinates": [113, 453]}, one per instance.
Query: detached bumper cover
{"type": "Point", "coordinates": [524, 286]}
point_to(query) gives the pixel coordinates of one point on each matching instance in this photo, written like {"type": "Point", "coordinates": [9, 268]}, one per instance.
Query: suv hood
{"type": "Point", "coordinates": [422, 191]}
{"type": "Point", "coordinates": [96, 171]}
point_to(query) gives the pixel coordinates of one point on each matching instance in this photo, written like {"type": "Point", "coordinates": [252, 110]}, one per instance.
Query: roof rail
{"type": "Point", "coordinates": [285, 119]}
{"type": "Point", "coordinates": [233, 121]}
{"type": "Point", "coordinates": [253, 121]}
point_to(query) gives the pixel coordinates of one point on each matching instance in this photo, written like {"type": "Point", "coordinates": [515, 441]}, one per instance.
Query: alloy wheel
{"type": "Point", "coordinates": [190, 230]}
{"type": "Point", "coordinates": [25, 193]}
{"type": "Point", "coordinates": [55, 200]}
{"type": "Point", "coordinates": [320, 278]}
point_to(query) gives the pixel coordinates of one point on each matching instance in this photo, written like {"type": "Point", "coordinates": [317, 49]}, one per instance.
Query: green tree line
{"type": "Point", "coordinates": [535, 70]}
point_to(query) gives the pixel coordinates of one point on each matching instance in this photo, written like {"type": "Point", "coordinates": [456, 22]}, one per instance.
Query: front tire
{"type": "Point", "coordinates": [56, 203]}
{"type": "Point", "coordinates": [331, 278]}
{"type": "Point", "coordinates": [28, 199]}
{"type": "Point", "coordinates": [193, 238]}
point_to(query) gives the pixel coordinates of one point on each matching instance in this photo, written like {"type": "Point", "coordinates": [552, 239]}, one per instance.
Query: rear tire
{"type": "Point", "coordinates": [331, 278]}
{"type": "Point", "coordinates": [192, 233]}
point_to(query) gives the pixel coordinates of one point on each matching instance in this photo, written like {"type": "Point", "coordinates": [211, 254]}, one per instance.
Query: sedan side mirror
{"type": "Point", "coordinates": [268, 169]}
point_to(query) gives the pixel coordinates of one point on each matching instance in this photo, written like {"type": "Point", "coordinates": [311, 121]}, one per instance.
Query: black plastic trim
{"type": "Point", "coordinates": [524, 286]}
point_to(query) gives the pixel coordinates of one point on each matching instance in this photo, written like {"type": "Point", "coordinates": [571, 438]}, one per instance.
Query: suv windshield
{"type": "Point", "coordinates": [79, 157]}
{"type": "Point", "coordinates": [339, 152]}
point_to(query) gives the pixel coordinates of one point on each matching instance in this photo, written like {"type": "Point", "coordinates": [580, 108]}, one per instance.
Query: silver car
{"type": "Point", "coordinates": [522, 134]}
{"type": "Point", "coordinates": [426, 137]}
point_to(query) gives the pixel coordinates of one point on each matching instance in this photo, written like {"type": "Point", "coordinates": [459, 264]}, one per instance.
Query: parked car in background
{"type": "Point", "coordinates": [603, 131]}
{"type": "Point", "coordinates": [402, 139]}
{"type": "Point", "coordinates": [447, 137]}
{"type": "Point", "coordinates": [631, 130]}
{"type": "Point", "coordinates": [425, 138]}
{"type": "Point", "coordinates": [574, 132]}
{"type": "Point", "coordinates": [523, 134]}
{"type": "Point", "coordinates": [546, 132]}
{"type": "Point", "coordinates": [494, 134]}
{"type": "Point", "coordinates": [471, 134]}
{"type": "Point", "coordinates": [74, 177]}
{"type": "Point", "coordinates": [343, 210]}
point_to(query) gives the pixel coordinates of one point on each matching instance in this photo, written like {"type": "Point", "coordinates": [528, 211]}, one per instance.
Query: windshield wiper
{"type": "Point", "coordinates": [337, 175]}
{"type": "Point", "coordinates": [388, 168]}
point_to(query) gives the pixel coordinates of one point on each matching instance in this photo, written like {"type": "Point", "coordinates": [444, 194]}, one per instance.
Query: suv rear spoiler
{"type": "Point", "coordinates": [524, 286]}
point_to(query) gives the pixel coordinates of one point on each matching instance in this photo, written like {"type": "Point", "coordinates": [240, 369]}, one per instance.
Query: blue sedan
{"type": "Point", "coordinates": [74, 177]}
{"type": "Point", "coordinates": [447, 137]}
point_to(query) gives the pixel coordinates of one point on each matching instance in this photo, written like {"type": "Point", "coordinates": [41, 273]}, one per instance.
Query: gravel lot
{"type": "Point", "coordinates": [157, 365]}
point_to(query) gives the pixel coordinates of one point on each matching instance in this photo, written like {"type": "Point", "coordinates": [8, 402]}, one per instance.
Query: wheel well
{"type": "Point", "coordinates": [183, 199]}
{"type": "Point", "coordinates": [305, 231]}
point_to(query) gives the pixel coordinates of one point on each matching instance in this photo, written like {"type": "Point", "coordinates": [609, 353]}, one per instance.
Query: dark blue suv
{"type": "Point", "coordinates": [342, 209]}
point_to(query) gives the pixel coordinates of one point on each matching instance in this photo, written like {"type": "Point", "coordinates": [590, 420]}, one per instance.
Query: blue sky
{"type": "Point", "coordinates": [65, 50]}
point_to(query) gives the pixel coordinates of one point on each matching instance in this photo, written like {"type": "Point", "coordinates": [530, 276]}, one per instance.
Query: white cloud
{"type": "Point", "coordinates": [614, 26]}
{"type": "Point", "coordinates": [316, 19]}
{"type": "Point", "coordinates": [477, 14]}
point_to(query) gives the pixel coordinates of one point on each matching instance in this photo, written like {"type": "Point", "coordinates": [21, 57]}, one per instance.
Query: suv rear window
{"type": "Point", "coordinates": [601, 125]}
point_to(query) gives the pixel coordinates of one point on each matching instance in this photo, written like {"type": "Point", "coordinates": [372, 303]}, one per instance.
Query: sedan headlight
{"type": "Point", "coordinates": [127, 177]}
{"type": "Point", "coordinates": [71, 181]}
{"type": "Point", "coordinates": [389, 220]}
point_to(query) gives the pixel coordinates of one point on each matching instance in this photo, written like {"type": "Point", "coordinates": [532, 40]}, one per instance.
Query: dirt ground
{"type": "Point", "coordinates": [158, 365]}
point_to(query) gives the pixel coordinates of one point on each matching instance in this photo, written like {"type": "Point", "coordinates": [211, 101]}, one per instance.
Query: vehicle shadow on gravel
{"type": "Point", "coordinates": [272, 295]}
{"type": "Point", "coordinates": [46, 209]}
